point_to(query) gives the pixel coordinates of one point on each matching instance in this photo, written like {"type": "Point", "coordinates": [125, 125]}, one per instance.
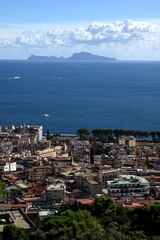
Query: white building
{"type": "Point", "coordinates": [128, 185]}
{"type": "Point", "coordinates": [10, 167]}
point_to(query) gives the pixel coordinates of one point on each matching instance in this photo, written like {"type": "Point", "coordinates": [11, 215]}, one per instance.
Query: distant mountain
{"type": "Point", "coordinates": [76, 57]}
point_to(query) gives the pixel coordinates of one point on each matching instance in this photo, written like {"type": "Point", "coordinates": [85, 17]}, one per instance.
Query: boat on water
{"type": "Point", "coordinates": [16, 77]}
{"type": "Point", "coordinates": [45, 115]}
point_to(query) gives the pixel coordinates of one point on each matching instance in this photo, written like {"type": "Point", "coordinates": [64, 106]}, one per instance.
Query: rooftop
{"type": "Point", "coordinates": [13, 216]}
{"type": "Point", "coordinates": [128, 179]}
{"type": "Point", "coordinates": [84, 200]}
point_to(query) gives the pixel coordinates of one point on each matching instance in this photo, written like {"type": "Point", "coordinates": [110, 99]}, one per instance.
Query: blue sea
{"type": "Point", "coordinates": [75, 95]}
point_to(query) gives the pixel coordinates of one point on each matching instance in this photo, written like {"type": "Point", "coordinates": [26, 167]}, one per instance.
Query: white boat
{"type": "Point", "coordinates": [16, 77]}
{"type": "Point", "coordinates": [45, 115]}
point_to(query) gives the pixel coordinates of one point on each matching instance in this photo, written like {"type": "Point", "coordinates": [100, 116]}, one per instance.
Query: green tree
{"type": "Point", "coordinates": [37, 235]}
{"type": "Point", "coordinates": [101, 205]}
{"type": "Point", "coordinates": [146, 219]}
{"type": "Point", "coordinates": [95, 132]}
{"type": "Point", "coordinates": [153, 134]}
{"type": "Point", "coordinates": [11, 232]}
{"type": "Point", "coordinates": [54, 222]}
{"type": "Point", "coordinates": [76, 225]}
{"type": "Point", "coordinates": [85, 226]}
{"type": "Point", "coordinates": [48, 135]}
{"type": "Point", "coordinates": [158, 133]}
{"type": "Point", "coordinates": [96, 232]}
{"type": "Point", "coordinates": [84, 137]}
{"type": "Point", "coordinates": [101, 133]}
{"type": "Point", "coordinates": [64, 233]}
{"type": "Point", "coordinates": [118, 132]}
{"type": "Point", "coordinates": [83, 131]}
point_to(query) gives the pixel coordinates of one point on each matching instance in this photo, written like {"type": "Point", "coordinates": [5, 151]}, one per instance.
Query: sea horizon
{"type": "Point", "coordinates": [80, 95]}
{"type": "Point", "coordinates": [53, 61]}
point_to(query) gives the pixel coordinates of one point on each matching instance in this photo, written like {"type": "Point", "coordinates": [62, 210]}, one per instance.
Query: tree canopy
{"type": "Point", "coordinates": [11, 232]}
{"type": "Point", "coordinates": [102, 220]}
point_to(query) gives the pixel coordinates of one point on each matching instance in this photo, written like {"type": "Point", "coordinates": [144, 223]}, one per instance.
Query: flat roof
{"type": "Point", "coordinates": [84, 200]}
{"type": "Point", "coordinates": [15, 217]}
{"type": "Point", "coordinates": [43, 213]}
{"type": "Point", "coordinates": [69, 173]}
{"type": "Point", "coordinates": [128, 179]}
{"type": "Point", "coordinates": [93, 182]}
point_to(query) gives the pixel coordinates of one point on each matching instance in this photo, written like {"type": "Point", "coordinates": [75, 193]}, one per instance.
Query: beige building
{"type": "Point", "coordinates": [49, 152]}
{"type": "Point", "coordinates": [55, 192]}
{"type": "Point", "coordinates": [94, 187]}
{"type": "Point", "coordinates": [108, 174]}
{"type": "Point", "coordinates": [39, 172]}
{"type": "Point", "coordinates": [127, 141]}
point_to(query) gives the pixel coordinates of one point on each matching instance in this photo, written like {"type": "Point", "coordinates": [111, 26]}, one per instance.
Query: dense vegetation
{"type": "Point", "coordinates": [111, 134]}
{"type": "Point", "coordinates": [103, 220]}
{"type": "Point", "coordinates": [11, 232]}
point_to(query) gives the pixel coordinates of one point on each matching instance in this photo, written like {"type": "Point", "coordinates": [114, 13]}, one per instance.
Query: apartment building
{"type": "Point", "coordinates": [128, 185]}
{"type": "Point", "coordinates": [55, 193]}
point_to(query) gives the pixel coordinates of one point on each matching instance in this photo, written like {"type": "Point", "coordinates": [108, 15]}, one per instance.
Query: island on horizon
{"type": "Point", "coordinates": [81, 57]}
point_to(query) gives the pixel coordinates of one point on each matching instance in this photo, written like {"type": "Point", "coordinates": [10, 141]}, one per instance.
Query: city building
{"type": "Point", "coordinates": [127, 141]}
{"type": "Point", "coordinates": [55, 193]}
{"type": "Point", "coordinates": [128, 185]}
{"type": "Point", "coordinates": [16, 217]}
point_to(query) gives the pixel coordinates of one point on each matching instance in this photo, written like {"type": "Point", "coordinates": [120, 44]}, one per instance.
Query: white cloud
{"type": "Point", "coordinates": [4, 43]}
{"type": "Point", "coordinates": [121, 34]}
{"type": "Point", "coordinates": [96, 33]}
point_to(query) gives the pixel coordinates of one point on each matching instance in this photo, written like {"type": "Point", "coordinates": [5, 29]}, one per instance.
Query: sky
{"type": "Point", "coordinates": [124, 29]}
